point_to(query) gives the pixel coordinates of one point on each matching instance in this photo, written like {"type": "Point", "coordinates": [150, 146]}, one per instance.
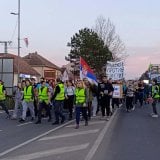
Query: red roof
{"type": "Point", "coordinates": [24, 67]}
{"type": "Point", "coordinates": [34, 59]}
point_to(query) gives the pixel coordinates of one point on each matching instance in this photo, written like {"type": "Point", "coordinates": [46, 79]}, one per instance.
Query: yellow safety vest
{"type": "Point", "coordinates": [2, 95]}
{"type": "Point", "coordinates": [43, 94]}
{"type": "Point", "coordinates": [28, 94]}
{"type": "Point", "coordinates": [80, 96]}
{"type": "Point", "coordinates": [60, 96]}
{"type": "Point", "coordinates": [155, 92]}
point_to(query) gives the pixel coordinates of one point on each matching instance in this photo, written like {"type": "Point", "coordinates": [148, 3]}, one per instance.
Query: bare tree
{"type": "Point", "coordinates": [106, 31]}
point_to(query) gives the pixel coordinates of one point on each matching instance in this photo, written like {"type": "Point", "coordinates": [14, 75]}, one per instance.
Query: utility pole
{"type": "Point", "coordinates": [6, 45]}
{"type": "Point", "coordinates": [18, 14]}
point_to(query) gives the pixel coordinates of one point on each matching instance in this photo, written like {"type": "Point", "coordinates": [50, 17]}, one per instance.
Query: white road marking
{"type": "Point", "coordinates": [89, 123]}
{"type": "Point", "coordinates": [48, 153]}
{"type": "Point", "coordinates": [70, 135]}
{"type": "Point", "coordinates": [99, 139]}
{"type": "Point", "coordinates": [1, 130]}
{"type": "Point", "coordinates": [23, 124]}
{"type": "Point", "coordinates": [33, 139]}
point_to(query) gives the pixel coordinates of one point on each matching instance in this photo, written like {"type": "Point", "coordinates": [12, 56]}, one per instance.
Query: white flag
{"type": "Point", "coordinates": [65, 76]}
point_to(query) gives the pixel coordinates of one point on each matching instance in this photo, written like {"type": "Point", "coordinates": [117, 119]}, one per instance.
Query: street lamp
{"type": "Point", "coordinates": [18, 14]}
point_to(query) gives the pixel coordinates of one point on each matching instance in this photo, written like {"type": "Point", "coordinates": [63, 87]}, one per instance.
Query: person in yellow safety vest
{"type": "Point", "coordinates": [3, 98]}
{"type": "Point", "coordinates": [44, 100]}
{"type": "Point", "coordinates": [58, 98]}
{"type": "Point", "coordinates": [80, 103]}
{"type": "Point", "coordinates": [155, 96]}
{"type": "Point", "coordinates": [28, 98]}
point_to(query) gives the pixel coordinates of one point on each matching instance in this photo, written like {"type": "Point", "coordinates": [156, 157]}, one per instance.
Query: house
{"type": "Point", "coordinates": [9, 69]}
{"type": "Point", "coordinates": [43, 66]}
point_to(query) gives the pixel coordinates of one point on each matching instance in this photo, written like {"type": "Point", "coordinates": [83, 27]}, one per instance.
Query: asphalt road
{"type": "Point", "coordinates": [127, 136]}
{"type": "Point", "coordinates": [132, 136]}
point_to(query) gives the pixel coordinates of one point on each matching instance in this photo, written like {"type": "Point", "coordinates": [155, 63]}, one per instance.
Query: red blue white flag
{"type": "Point", "coordinates": [86, 72]}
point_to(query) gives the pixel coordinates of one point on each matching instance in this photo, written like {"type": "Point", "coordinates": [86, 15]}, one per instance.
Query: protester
{"type": "Point", "coordinates": [44, 100]}
{"type": "Point", "coordinates": [18, 95]}
{"type": "Point", "coordinates": [58, 98]}
{"type": "Point", "coordinates": [69, 95]}
{"type": "Point", "coordinates": [94, 90]}
{"type": "Point", "coordinates": [27, 103]}
{"type": "Point", "coordinates": [80, 102]}
{"type": "Point", "coordinates": [3, 98]}
{"type": "Point", "coordinates": [88, 87]}
{"type": "Point", "coordinates": [129, 96]}
{"type": "Point", "coordinates": [155, 96]}
{"type": "Point", "coordinates": [105, 92]}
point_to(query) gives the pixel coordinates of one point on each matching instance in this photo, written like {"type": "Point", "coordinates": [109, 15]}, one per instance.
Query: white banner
{"type": "Point", "coordinates": [115, 70]}
{"type": "Point", "coordinates": [65, 76]}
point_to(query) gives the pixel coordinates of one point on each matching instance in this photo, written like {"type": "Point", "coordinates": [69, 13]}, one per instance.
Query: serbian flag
{"type": "Point", "coordinates": [86, 72]}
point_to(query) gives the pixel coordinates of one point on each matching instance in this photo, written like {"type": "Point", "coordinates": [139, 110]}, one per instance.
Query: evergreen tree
{"type": "Point", "coordinates": [90, 47]}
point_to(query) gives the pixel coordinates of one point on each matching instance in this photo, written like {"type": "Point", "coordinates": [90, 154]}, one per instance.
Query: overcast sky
{"type": "Point", "coordinates": [49, 25]}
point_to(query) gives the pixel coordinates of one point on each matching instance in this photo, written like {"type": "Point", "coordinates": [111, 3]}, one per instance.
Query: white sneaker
{"type": "Point", "coordinates": [155, 116]}
{"type": "Point", "coordinates": [133, 108]}
{"type": "Point", "coordinates": [107, 119]}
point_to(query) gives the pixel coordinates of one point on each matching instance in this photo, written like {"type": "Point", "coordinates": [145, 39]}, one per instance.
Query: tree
{"type": "Point", "coordinates": [106, 31]}
{"type": "Point", "coordinates": [89, 46]}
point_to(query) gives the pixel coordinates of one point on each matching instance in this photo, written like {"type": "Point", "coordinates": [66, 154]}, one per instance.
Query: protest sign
{"type": "Point", "coordinates": [118, 91]}
{"type": "Point", "coordinates": [115, 70]}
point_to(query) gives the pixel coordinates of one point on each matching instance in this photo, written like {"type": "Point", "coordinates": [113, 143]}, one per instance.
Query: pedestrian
{"type": "Point", "coordinates": [69, 95]}
{"type": "Point", "coordinates": [44, 100]}
{"type": "Point", "coordinates": [155, 96]}
{"type": "Point", "coordinates": [18, 95]}
{"type": "Point", "coordinates": [35, 102]}
{"type": "Point", "coordinates": [129, 96]}
{"type": "Point", "coordinates": [105, 92]}
{"type": "Point", "coordinates": [141, 93]}
{"type": "Point", "coordinates": [3, 98]}
{"type": "Point", "coordinates": [58, 98]}
{"type": "Point", "coordinates": [27, 103]}
{"type": "Point", "coordinates": [80, 103]}
{"type": "Point", "coordinates": [94, 89]}
{"type": "Point", "coordinates": [88, 86]}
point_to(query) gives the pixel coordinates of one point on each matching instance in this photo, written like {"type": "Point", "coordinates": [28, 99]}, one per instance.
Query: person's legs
{"type": "Point", "coordinates": [40, 106]}
{"type": "Point", "coordinates": [48, 111]}
{"type": "Point", "coordinates": [4, 107]}
{"type": "Point", "coordinates": [154, 107]}
{"type": "Point", "coordinates": [16, 106]}
{"type": "Point", "coordinates": [89, 108]}
{"type": "Point", "coordinates": [70, 106]}
{"type": "Point", "coordinates": [31, 108]}
{"type": "Point", "coordinates": [61, 111]}
{"type": "Point", "coordinates": [127, 103]}
{"type": "Point", "coordinates": [56, 111]}
{"type": "Point", "coordinates": [103, 107]}
{"type": "Point", "coordinates": [78, 110]}
{"type": "Point", "coordinates": [108, 105]}
{"type": "Point", "coordinates": [94, 105]}
{"type": "Point", "coordinates": [24, 109]}
{"type": "Point", "coordinates": [141, 99]}
{"type": "Point", "coordinates": [84, 114]}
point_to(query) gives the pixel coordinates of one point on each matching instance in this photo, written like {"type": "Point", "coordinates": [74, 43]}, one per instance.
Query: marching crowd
{"type": "Point", "coordinates": [80, 98]}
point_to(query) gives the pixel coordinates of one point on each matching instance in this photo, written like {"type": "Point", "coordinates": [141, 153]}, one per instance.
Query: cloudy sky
{"type": "Point", "coordinates": [49, 25]}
